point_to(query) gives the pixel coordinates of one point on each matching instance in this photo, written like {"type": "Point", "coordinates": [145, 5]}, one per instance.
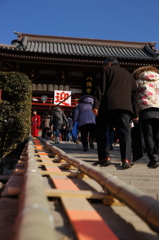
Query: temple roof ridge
{"type": "Point", "coordinates": [83, 47]}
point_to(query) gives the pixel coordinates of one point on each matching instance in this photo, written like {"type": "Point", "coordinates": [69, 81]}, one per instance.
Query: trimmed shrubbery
{"type": "Point", "coordinates": [15, 107]}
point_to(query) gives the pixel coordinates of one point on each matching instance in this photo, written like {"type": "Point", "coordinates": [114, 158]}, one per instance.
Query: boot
{"type": "Point", "coordinates": [91, 144]}
{"type": "Point", "coordinates": [152, 155]}
{"type": "Point", "coordinates": [57, 140]}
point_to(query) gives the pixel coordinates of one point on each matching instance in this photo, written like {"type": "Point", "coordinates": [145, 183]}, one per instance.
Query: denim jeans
{"type": "Point", "coordinates": [57, 132]}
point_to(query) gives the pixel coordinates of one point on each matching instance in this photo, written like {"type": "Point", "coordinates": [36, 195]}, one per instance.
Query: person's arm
{"type": "Point", "coordinates": [100, 90]}
{"type": "Point", "coordinates": [135, 120]}
{"type": "Point", "coordinates": [95, 111]}
{"type": "Point", "coordinates": [76, 114]}
{"type": "Point", "coordinates": [65, 120]}
{"type": "Point", "coordinates": [39, 122]}
{"type": "Point", "coordinates": [42, 122]}
{"type": "Point", "coordinates": [134, 98]}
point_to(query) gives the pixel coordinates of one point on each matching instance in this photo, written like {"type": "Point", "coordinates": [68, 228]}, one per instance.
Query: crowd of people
{"type": "Point", "coordinates": [121, 98]}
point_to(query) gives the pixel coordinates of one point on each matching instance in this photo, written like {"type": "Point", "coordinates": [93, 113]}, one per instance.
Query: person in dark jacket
{"type": "Point", "coordinates": [116, 103]}
{"type": "Point", "coordinates": [69, 128]}
{"type": "Point", "coordinates": [86, 118]}
{"type": "Point", "coordinates": [58, 122]}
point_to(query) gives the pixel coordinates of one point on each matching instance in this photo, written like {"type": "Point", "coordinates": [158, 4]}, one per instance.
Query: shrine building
{"type": "Point", "coordinates": [69, 65]}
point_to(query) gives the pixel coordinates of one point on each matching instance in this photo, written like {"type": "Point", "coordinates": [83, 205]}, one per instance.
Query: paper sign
{"type": "Point", "coordinates": [62, 98]}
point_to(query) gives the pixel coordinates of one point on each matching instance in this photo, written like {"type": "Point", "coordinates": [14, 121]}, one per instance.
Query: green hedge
{"type": "Point", "coordinates": [15, 107]}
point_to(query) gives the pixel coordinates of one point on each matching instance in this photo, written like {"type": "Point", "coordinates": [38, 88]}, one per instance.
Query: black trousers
{"type": "Point", "coordinates": [87, 131]}
{"type": "Point", "coordinates": [150, 129]}
{"type": "Point", "coordinates": [120, 119]}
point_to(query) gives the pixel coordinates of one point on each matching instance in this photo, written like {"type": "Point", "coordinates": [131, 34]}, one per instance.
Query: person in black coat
{"type": "Point", "coordinates": [116, 103]}
{"type": "Point", "coordinates": [58, 122]}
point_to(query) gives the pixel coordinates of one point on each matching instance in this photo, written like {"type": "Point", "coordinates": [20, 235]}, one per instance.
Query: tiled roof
{"type": "Point", "coordinates": [83, 47]}
{"type": "Point", "coordinates": [88, 50]}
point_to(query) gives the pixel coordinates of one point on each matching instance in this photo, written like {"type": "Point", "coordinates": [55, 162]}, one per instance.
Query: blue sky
{"type": "Point", "coordinates": [125, 20]}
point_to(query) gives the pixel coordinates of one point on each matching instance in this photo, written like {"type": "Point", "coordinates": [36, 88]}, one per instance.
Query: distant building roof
{"type": "Point", "coordinates": [54, 45]}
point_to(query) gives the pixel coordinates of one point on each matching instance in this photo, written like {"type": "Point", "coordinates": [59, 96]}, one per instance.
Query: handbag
{"type": "Point", "coordinates": [75, 131]}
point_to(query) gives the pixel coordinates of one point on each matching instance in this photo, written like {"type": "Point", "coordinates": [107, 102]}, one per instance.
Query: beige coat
{"type": "Point", "coordinates": [45, 122]}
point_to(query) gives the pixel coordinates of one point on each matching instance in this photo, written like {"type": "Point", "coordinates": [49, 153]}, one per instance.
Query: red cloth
{"type": "Point", "coordinates": [35, 123]}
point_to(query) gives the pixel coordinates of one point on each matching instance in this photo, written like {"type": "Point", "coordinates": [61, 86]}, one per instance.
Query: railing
{"type": "Point", "coordinates": [36, 101]}
{"type": "Point", "coordinates": [34, 219]}
{"type": "Point", "coordinates": [143, 205]}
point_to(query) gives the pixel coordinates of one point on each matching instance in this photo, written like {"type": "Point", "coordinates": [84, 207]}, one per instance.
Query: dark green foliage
{"type": "Point", "coordinates": [15, 110]}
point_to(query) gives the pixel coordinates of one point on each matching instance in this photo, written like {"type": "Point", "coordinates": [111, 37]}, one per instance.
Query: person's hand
{"type": "Point", "coordinates": [135, 120]}
{"type": "Point", "coordinates": [95, 111]}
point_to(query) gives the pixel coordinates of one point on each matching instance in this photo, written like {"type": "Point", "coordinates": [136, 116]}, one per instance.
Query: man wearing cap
{"type": "Point", "coordinates": [116, 103]}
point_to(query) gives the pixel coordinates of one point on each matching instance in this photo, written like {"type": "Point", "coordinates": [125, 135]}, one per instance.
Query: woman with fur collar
{"type": "Point", "coordinates": [147, 79]}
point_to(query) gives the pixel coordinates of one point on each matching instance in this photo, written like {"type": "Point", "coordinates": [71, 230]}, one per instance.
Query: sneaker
{"type": "Point", "coordinates": [126, 163]}
{"type": "Point", "coordinates": [153, 164]}
{"type": "Point", "coordinates": [57, 140]}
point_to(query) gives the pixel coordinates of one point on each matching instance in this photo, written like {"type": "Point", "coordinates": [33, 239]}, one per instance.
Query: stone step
{"type": "Point", "coordinates": [136, 175]}
{"type": "Point", "coordinates": [148, 190]}
{"type": "Point", "coordinates": [152, 184]}
{"type": "Point", "coordinates": [139, 175]}
{"type": "Point", "coordinates": [138, 179]}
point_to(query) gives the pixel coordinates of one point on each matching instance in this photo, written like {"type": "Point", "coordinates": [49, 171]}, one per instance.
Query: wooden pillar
{"type": "Point", "coordinates": [1, 65]}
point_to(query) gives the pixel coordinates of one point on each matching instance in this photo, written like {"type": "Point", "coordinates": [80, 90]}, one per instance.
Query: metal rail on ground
{"type": "Point", "coordinates": [143, 205]}
{"type": "Point", "coordinates": [34, 219]}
